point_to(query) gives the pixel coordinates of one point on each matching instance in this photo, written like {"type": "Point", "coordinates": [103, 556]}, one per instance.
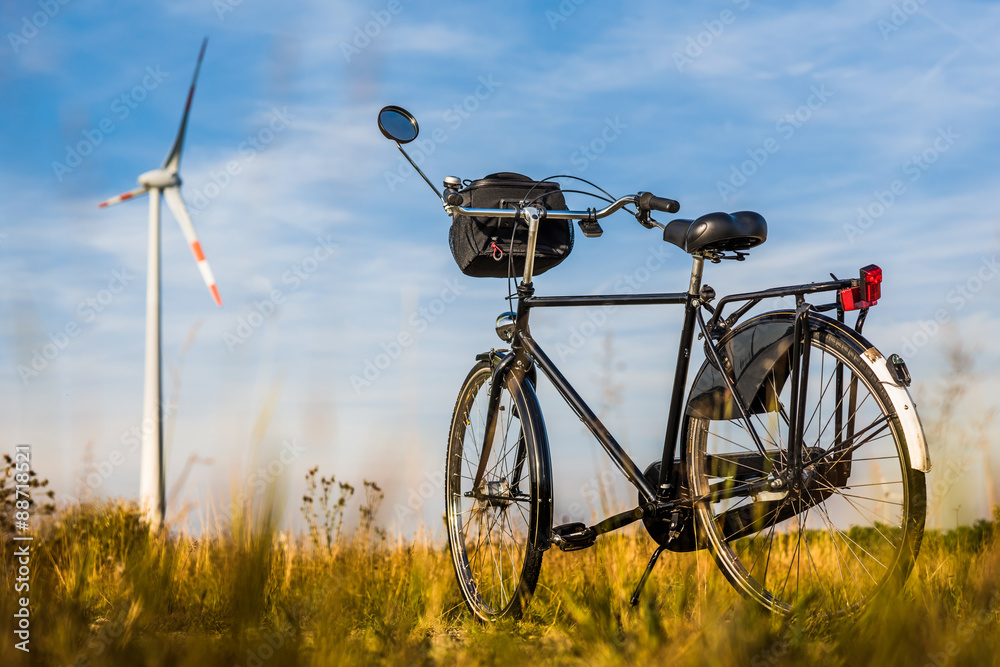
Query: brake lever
{"type": "Point", "coordinates": [646, 221]}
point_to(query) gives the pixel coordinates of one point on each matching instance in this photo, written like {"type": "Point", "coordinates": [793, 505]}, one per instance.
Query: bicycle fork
{"type": "Point", "coordinates": [505, 366]}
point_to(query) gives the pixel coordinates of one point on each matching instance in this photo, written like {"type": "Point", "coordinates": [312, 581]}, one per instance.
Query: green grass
{"type": "Point", "coordinates": [105, 591]}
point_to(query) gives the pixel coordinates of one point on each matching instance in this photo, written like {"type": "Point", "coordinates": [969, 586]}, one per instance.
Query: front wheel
{"type": "Point", "coordinates": [498, 531]}
{"type": "Point", "coordinates": [845, 528]}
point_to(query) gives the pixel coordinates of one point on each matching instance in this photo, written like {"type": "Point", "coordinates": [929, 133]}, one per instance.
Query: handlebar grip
{"type": "Point", "coordinates": [650, 202]}
{"type": "Point", "coordinates": [453, 198]}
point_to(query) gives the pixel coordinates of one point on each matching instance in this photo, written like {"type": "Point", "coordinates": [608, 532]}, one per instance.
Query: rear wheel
{"type": "Point", "coordinates": [495, 531]}
{"type": "Point", "coordinates": [848, 527]}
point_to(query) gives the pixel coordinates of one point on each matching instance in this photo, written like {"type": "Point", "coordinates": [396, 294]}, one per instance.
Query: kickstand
{"type": "Point", "coordinates": [645, 575]}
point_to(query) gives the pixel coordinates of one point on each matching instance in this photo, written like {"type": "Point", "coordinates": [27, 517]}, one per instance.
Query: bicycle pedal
{"type": "Point", "coordinates": [573, 536]}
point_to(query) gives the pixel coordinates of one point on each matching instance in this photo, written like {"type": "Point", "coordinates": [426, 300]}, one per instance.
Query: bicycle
{"type": "Point", "coordinates": [796, 457]}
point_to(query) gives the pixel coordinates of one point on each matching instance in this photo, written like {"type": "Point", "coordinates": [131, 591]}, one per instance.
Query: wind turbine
{"type": "Point", "coordinates": [165, 181]}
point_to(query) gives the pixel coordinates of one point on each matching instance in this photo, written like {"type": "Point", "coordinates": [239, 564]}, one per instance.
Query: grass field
{"type": "Point", "coordinates": [104, 591]}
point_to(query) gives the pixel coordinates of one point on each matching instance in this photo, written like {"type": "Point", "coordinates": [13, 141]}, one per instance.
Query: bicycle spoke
{"type": "Point", "coordinates": [819, 403]}
{"type": "Point", "coordinates": [734, 443]}
{"type": "Point", "coordinates": [488, 531]}
{"type": "Point", "coordinates": [834, 531]}
{"type": "Point", "coordinates": [852, 494]}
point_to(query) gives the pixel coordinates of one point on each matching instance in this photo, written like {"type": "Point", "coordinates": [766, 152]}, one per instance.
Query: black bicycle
{"type": "Point", "coordinates": [795, 456]}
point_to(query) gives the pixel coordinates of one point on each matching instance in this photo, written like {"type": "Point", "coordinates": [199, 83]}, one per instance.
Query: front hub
{"type": "Point", "coordinates": [495, 493]}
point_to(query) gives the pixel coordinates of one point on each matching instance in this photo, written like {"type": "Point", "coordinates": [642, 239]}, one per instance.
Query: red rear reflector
{"type": "Point", "coordinates": [866, 294]}
{"type": "Point", "coordinates": [871, 283]}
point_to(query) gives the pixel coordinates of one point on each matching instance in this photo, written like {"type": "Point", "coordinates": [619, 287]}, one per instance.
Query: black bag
{"type": "Point", "coordinates": [484, 247]}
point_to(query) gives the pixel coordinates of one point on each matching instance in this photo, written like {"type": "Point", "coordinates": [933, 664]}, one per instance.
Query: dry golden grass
{"type": "Point", "coordinates": [107, 592]}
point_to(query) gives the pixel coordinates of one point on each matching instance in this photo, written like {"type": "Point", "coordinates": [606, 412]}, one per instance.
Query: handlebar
{"type": "Point", "coordinates": [644, 201]}
{"type": "Point", "coordinates": [650, 202]}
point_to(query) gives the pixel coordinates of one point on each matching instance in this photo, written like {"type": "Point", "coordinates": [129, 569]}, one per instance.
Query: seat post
{"type": "Point", "coordinates": [697, 268]}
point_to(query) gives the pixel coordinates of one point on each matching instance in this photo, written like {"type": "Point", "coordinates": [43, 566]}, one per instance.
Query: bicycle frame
{"type": "Point", "coordinates": [661, 498]}
{"type": "Point", "coordinates": [691, 302]}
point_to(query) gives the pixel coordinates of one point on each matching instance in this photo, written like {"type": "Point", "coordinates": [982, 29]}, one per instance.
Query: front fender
{"type": "Point", "coordinates": [758, 355]}
{"type": "Point", "coordinates": [539, 459]}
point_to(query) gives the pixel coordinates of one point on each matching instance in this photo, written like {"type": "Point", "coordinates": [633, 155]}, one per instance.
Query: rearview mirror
{"type": "Point", "coordinates": [398, 124]}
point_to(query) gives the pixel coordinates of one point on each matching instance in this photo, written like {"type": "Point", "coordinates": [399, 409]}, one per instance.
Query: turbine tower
{"type": "Point", "coordinates": [164, 181]}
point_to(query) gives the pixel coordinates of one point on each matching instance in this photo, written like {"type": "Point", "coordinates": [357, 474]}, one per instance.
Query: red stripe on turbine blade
{"type": "Point", "coordinates": [115, 200]}
{"type": "Point", "coordinates": [215, 295]}
{"type": "Point", "coordinates": [198, 254]}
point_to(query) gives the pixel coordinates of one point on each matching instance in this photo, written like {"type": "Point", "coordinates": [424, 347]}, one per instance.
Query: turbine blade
{"type": "Point", "coordinates": [176, 204]}
{"type": "Point", "coordinates": [173, 161]}
{"type": "Point", "coordinates": [123, 197]}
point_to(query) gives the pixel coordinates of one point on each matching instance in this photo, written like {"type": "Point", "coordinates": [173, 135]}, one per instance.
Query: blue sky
{"type": "Point", "coordinates": [864, 132]}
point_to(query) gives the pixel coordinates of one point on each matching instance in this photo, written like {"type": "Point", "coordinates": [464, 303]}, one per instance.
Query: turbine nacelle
{"type": "Point", "coordinates": [159, 178]}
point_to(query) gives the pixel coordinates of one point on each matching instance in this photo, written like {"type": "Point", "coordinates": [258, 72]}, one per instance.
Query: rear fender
{"type": "Point", "coordinates": [758, 355]}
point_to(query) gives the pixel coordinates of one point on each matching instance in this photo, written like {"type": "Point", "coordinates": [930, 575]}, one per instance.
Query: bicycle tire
{"type": "Point", "coordinates": [854, 527]}
{"type": "Point", "coordinates": [485, 535]}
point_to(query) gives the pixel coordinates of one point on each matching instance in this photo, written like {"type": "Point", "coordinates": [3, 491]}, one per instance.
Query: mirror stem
{"type": "Point", "coordinates": [419, 172]}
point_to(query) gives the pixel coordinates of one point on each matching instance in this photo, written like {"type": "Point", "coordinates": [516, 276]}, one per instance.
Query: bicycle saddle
{"type": "Point", "coordinates": [717, 232]}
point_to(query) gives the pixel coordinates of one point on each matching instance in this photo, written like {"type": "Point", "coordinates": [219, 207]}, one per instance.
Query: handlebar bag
{"type": "Point", "coordinates": [490, 247]}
